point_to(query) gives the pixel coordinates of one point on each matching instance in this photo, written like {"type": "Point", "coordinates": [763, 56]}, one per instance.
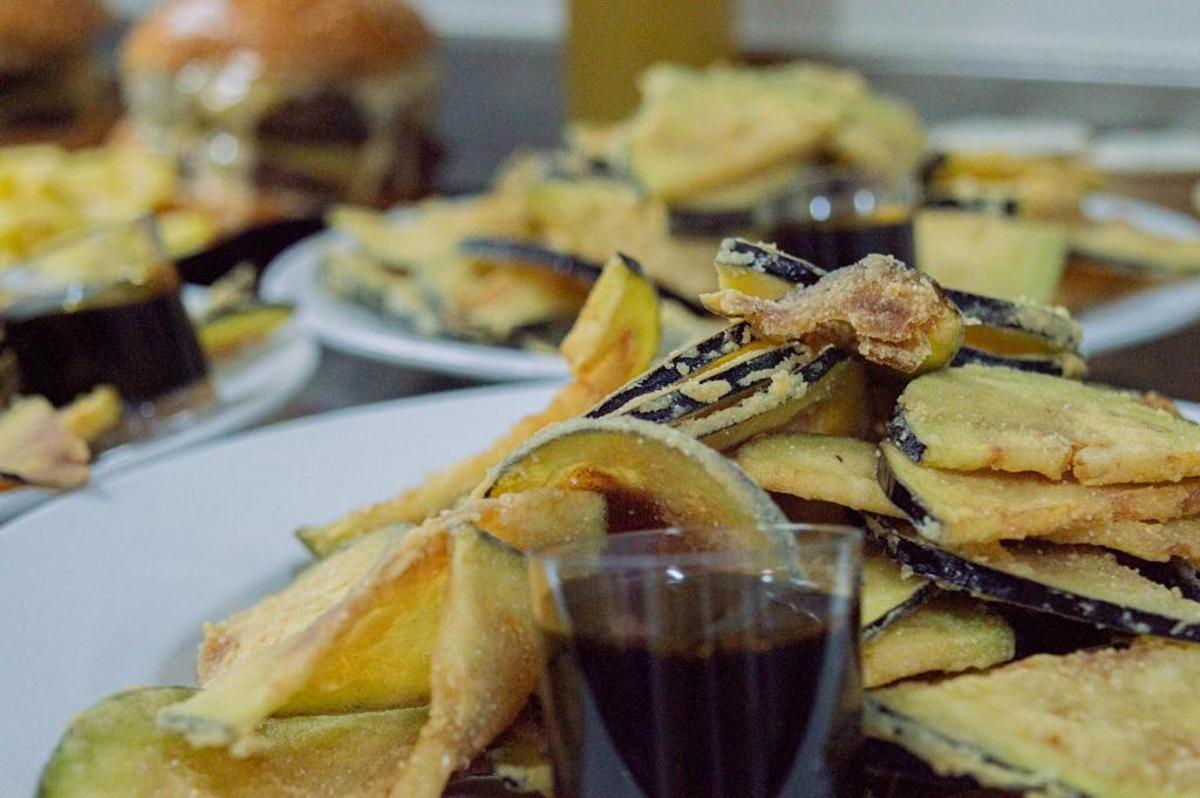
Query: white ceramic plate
{"type": "Point", "coordinates": [294, 277]}
{"type": "Point", "coordinates": [1150, 314]}
{"type": "Point", "coordinates": [106, 588]}
{"type": "Point", "coordinates": [247, 392]}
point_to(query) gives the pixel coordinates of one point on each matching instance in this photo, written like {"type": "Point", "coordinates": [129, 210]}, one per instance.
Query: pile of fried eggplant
{"type": "Point", "coordinates": [1030, 605]}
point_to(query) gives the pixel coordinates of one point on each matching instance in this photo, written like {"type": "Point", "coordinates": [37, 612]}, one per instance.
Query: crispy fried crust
{"type": "Point", "coordinates": [958, 508]}
{"type": "Point", "coordinates": [350, 37]}
{"type": "Point", "coordinates": [888, 313]}
{"type": "Point", "coordinates": [614, 339]}
{"type": "Point", "coordinates": [38, 448]}
{"type": "Point", "coordinates": [978, 417]}
{"type": "Point", "coordinates": [945, 635]}
{"type": "Point", "coordinates": [817, 467]}
{"type": "Point", "coordinates": [1106, 723]}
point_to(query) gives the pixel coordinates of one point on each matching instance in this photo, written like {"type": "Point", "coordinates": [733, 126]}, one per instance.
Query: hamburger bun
{"type": "Point", "coordinates": [328, 37]}
{"type": "Point", "coordinates": [35, 32]}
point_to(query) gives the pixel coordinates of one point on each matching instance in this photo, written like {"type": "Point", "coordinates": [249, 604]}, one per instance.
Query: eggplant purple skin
{"type": "Point", "coordinates": [912, 777]}
{"type": "Point", "coordinates": [880, 624]}
{"type": "Point", "coordinates": [676, 368]}
{"type": "Point", "coordinates": [796, 271]}
{"type": "Point", "coordinates": [682, 406]}
{"type": "Point", "coordinates": [1009, 316]}
{"type": "Point", "coordinates": [1038, 365]}
{"type": "Point", "coordinates": [503, 250]}
{"type": "Point", "coordinates": [739, 376]}
{"type": "Point", "coordinates": [953, 571]}
{"type": "Point", "coordinates": [906, 441]}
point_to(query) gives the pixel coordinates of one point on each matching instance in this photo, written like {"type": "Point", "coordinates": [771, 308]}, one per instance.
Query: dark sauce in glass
{"type": "Point", "coordinates": [843, 242]}
{"type": "Point", "coordinates": [767, 704]}
{"type": "Point", "coordinates": [142, 344]}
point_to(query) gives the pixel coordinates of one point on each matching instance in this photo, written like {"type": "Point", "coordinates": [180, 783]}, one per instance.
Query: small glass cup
{"type": "Point", "coordinates": [836, 217]}
{"type": "Point", "coordinates": [703, 663]}
{"type": "Point", "coordinates": [105, 308]}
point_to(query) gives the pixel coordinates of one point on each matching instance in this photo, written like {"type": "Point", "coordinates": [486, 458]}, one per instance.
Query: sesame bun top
{"type": "Point", "coordinates": [33, 32]}
{"type": "Point", "coordinates": [326, 37]}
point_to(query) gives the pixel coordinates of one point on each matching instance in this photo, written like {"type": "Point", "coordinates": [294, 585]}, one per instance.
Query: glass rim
{"type": "Point", "coordinates": [583, 552]}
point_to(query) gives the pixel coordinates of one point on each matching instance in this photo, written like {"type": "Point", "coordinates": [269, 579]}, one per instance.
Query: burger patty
{"type": "Point", "coordinates": [36, 97]}
{"type": "Point", "coordinates": [331, 116]}
{"type": "Point", "coordinates": [405, 180]}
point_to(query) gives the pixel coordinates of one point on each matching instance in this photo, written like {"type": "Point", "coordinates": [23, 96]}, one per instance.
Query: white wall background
{"type": "Point", "coordinates": [1121, 41]}
{"type": "Point", "coordinates": [1153, 41]}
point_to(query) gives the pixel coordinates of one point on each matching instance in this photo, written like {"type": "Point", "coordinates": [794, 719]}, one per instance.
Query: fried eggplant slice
{"type": "Point", "coordinates": [509, 252]}
{"type": "Point", "coordinates": [1082, 583]}
{"type": "Point", "coordinates": [614, 339]}
{"type": "Point", "coordinates": [534, 256]}
{"type": "Point", "coordinates": [524, 520]}
{"type": "Point", "coordinates": [840, 404]}
{"type": "Point", "coordinates": [752, 122]}
{"type": "Point", "coordinates": [432, 233]}
{"type": "Point", "coordinates": [1003, 327]}
{"type": "Point", "coordinates": [888, 594]}
{"type": "Point", "coordinates": [38, 448]}
{"type": "Point", "coordinates": [946, 634]}
{"type": "Point", "coordinates": [1154, 542]}
{"type": "Point", "coordinates": [1056, 364]}
{"type": "Point", "coordinates": [678, 366]}
{"type": "Point", "coordinates": [720, 385]}
{"type": "Point", "coordinates": [780, 403]}
{"type": "Point", "coordinates": [993, 326]}
{"type": "Point", "coordinates": [115, 748]}
{"type": "Point", "coordinates": [1013, 259]}
{"type": "Point", "coordinates": [958, 508]}
{"type": "Point", "coordinates": [93, 415]}
{"type": "Point", "coordinates": [819, 468]}
{"type": "Point", "coordinates": [595, 217]}
{"type": "Point", "coordinates": [651, 475]}
{"type": "Point", "coordinates": [978, 417]}
{"type": "Point", "coordinates": [1106, 723]}
{"type": "Point", "coordinates": [881, 309]}
{"type": "Point", "coordinates": [1120, 245]}
{"type": "Point", "coordinates": [236, 330]}
{"type": "Point", "coordinates": [620, 317]}
{"type": "Point", "coordinates": [497, 303]}
{"type": "Point", "coordinates": [373, 648]}
{"type": "Point", "coordinates": [514, 519]}
{"type": "Point", "coordinates": [762, 270]}
{"type": "Point", "coordinates": [281, 615]}
{"type": "Point", "coordinates": [486, 662]}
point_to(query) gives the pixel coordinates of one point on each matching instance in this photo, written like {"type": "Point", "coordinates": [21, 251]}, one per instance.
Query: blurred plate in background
{"type": "Point", "coordinates": [294, 278]}
{"type": "Point", "coordinates": [248, 391]}
{"type": "Point", "coordinates": [1145, 315]}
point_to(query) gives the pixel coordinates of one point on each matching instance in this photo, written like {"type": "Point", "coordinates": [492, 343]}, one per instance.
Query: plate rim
{"type": "Point", "coordinates": [299, 349]}
{"type": "Point", "coordinates": [291, 277]}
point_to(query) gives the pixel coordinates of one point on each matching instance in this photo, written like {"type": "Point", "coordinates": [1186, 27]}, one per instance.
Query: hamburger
{"type": "Point", "coordinates": [53, 85]}
{"type": "Point", "coordinates": [277, 108]}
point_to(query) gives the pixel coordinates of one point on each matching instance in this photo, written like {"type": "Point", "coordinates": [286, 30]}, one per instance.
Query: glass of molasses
{"type": "Point", "coordinates": [105, 308]}
{"type": "Point", "coordinates": [702, 663]}
{"type": "Point", "coordinates": [835, 217]}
